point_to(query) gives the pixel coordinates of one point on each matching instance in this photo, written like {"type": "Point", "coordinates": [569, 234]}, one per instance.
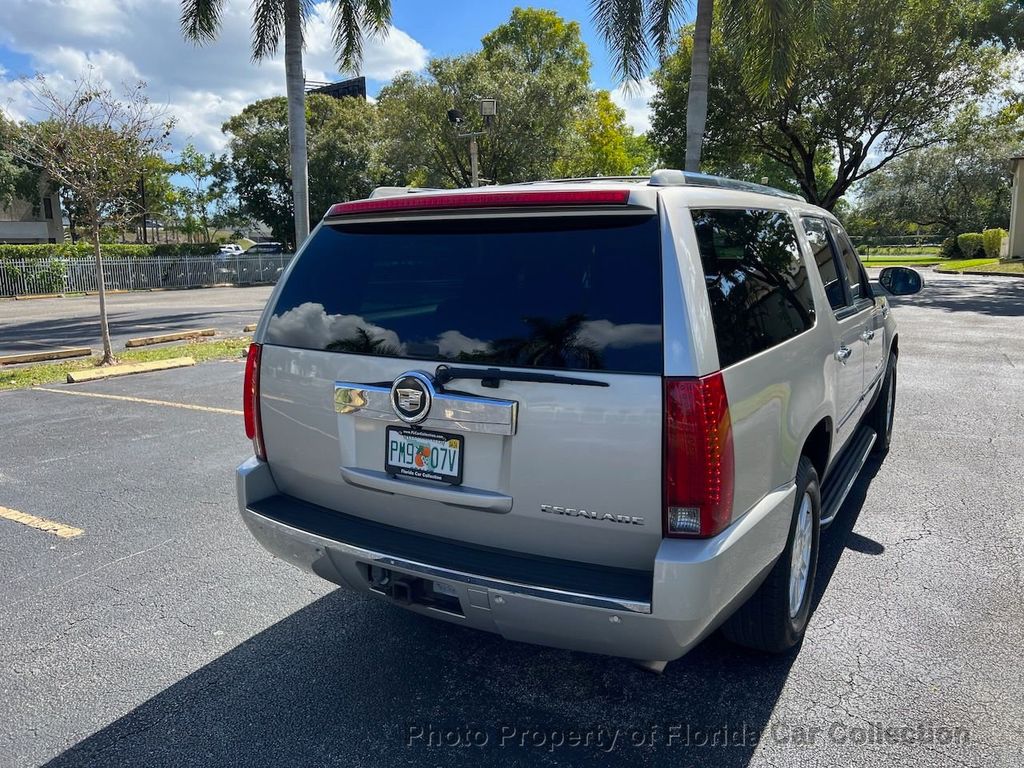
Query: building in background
{"type": "Point", "coordinates": [356, 87]}
{"type": "Point", "coordinates": [33, 221]}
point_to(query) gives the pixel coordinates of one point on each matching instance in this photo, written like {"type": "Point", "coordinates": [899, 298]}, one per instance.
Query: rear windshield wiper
{"type": "Point", "coordinates": [492, 377]}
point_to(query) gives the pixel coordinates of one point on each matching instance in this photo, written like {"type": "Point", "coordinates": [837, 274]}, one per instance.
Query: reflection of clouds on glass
{"type": "Point", "coordinates": [308, 325]}
{"type": "Point", "coordinates": [455, 343]}
{"type": "Point", "coordinates": [604, 334]}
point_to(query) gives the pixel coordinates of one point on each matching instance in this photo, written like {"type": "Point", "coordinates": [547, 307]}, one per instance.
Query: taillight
{"type": "Point", "coordinates": [699, 466]}
{"type": "Point", "coordinates": [251, 401]}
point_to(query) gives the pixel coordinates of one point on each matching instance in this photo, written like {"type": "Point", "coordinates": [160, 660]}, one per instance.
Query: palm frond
{"type": "Point", "coordinates": [200, 19]}
{"type": "Point", "coordinates": [377, 16]}
{"type": "Point", "coordinates": [267, 23]}
{"type": "Point", "coordinates": [661, 18]}
{"type": "Point", "coordinates": [623, 25]}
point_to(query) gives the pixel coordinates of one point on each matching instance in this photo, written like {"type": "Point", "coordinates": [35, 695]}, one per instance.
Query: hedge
{"type": "Point", "coordinates": [110, 250]}
{"type": "Point", "coordinates": [970, 244]}
{"type": "Point", "coordinates": [950, 249]}
{"type": "Point", "coordinates": [992, 240]}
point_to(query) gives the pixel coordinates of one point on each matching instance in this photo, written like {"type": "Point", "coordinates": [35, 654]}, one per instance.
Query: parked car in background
{"type": "Point", "coordinates": [609, 416]}
{"type": "Point", "coordinates": [265, 248]}
{"type": "Point", "coordinates": [232, 249]}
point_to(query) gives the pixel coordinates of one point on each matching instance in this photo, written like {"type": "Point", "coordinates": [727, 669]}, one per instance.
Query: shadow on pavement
{"type": "Point", "coordinates": [350, 681]}
{"type": "Point", "coordinates": [998, 297]}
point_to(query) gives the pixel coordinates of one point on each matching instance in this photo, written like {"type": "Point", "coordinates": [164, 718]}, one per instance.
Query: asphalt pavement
{"type": "Point", "coordinates": [28, 325]}
{"type": "Point", "coordinates": [164, 636]}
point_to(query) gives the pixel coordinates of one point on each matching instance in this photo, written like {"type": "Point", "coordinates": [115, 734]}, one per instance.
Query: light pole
{"type": "Point", "coordinates": [488, 110]}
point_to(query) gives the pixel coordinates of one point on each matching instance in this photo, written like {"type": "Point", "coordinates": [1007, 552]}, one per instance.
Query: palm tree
{"type": "Point", "coordinates": [768, 33]}
{"type": "Point", "coordinates": [200, 22]}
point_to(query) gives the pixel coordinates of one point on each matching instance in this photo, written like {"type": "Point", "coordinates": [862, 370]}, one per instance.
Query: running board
{"type": "Point", "coordinates": [844, 474]}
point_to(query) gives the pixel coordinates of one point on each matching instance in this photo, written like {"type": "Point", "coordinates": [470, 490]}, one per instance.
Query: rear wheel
{"type": "Point", "coordinates": [775, 617]}
{"type": "Point", "coordinates": [884, 409]}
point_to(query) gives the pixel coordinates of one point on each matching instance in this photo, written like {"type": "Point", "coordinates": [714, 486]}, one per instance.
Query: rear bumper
{"type": "Point", "coordinates": [694, 585]}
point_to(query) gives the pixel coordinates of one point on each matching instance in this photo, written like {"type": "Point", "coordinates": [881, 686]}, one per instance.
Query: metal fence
{"type": "Point", "coordinates": [20, 277]}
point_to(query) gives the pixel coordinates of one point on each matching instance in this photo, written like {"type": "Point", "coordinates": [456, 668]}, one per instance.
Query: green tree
{"type": "Point", "coordinates": [961, 185]}
{"type": "Point", "coordinates": [342, 156]}
{"type": "Point", "coordinates": [94, 144]}
{"type": "Point", "coordinates": [200, 22]}
{"type": "Point", "coordinates": [767, 34]}
{"type": "Point", "coordinates": [892, 80]}
{"type": "Point", "coordinates": [204, 189]}
{"type": "Point", "coordinates": [550, 122]}
{"type": "Point", "coordinates": [17, 179]}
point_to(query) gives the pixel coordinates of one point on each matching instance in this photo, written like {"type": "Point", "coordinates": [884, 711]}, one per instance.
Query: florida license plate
{"type": "Point", "coordinates": [423, 455]}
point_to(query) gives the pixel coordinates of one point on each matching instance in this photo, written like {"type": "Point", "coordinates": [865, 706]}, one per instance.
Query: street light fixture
{"type": "Point", "coordinates": [488, 110]}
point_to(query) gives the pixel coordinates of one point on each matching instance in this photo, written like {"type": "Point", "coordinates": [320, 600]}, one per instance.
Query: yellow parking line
{"type": "Point", "coordinates": [58, 529]}
{"type": "Point", "coordinates": [143, 400]}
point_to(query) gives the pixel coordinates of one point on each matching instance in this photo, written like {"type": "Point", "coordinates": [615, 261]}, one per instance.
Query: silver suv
{"type": "Point", "coordinates": [605, 415]}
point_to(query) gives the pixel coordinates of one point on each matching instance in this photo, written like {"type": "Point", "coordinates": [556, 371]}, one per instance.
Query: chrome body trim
{"type": "Point", "coordinates": [464, 413]}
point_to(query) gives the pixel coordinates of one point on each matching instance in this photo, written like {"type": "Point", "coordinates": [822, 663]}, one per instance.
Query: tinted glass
{"type": "Point", "coordinates": [825, 257]}
{"type": "Point", "coordinates": [576, 293]}
{"type": "Point", "coordinates": [756, 280]}
{"type": "Point", "coordinates": [855, 276]}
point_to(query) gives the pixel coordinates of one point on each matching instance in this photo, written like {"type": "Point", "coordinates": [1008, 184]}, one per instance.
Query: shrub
{"type": "Point", "coordinates": [970, 244]}
{"type": "Point", "coordinates": [109, 250]}
{"type": "Point", "coordinates": [950, 249]}
{"type": "Point", "coordinates": [992, 240]}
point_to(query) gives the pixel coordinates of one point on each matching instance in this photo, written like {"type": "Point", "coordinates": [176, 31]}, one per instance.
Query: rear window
{"type": "Point", "coordinates": [756, 280]}
{"type": "Point", "coordinates": [573, 293]}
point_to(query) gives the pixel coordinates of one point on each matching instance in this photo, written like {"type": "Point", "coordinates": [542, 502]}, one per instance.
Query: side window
{"type": "Point", "coordinates": [825, 257]}
{"type": "Point", "coordinates": [755, 278]}
{"type": "Point", "coordinates": [856, 277]}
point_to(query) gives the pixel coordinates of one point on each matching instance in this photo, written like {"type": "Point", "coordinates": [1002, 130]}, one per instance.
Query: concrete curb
{"type": "Point", "coordinates": [998, 274]}
{"type": "Point", "coordinates": [145, 341]}
{"type": "Point", "coordinates": [50, 354]}
{"type": "Point", "coordinates": [249, 328]}
{"type": "Point", "coordinates": [129, 368]}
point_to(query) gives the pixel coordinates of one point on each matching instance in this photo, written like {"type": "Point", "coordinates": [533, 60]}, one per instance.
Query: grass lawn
{"type": "Point", "coordinates": [958, 265]}
{"type": "Point", "coordinates": [47, 373]}
{"type": "Point", "coordinates": [900, 261]}
{"type": "Point", "coordinates": [1013, 267]}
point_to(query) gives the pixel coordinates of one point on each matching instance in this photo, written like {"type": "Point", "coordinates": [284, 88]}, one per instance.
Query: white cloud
{"type": "Point", "coordinates": [127, 40]}
{"type": "Point", "coordinates": [635, 100]}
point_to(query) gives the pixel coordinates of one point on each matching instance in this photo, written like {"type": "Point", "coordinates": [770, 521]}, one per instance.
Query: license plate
{"type": "Point", "coordinates": [423, 455]}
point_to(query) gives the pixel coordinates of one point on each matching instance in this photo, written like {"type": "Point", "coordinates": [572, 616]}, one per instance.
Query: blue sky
{"type": "Point", "coordinates": [127, 40]}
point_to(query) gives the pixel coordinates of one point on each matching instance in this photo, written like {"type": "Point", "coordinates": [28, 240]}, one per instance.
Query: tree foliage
{"type": "Point", "coordinates": [94, 144]}
{"type": "Point", "coordinates": [961, 185]}
{"type": "Point", "coordinates": [891, 80]}
{"type": "Point", "coordinates": [342, 141]}
{"type": "Point", "coordinates": [550, 122]}
{"type": "Point", "coordinates": [18, 180]}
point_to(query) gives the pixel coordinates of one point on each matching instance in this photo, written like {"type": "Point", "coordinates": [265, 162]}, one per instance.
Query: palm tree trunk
{"type": "Point", "coordinates": [295, 88]}
{"type": "Point", "coordinates": [697, 99]}
{"type": "Point", "coordinates": [101, 292]}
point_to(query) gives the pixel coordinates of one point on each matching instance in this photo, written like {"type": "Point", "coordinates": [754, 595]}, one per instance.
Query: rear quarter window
{"type": "Point", "coordinates": [756, 280]}
{"type": "Point", "coordinates": [565, 292]}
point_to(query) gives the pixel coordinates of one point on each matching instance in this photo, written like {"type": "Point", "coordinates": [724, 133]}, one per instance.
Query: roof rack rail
{"type": "Point", "coordinates": [399, 191]}
{"type": "Point", "coordinates": [669, 177]}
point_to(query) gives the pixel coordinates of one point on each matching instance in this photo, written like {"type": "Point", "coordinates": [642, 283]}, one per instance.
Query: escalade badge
{"type": "Point", "coordinates": [552, 509]}
{"type": "Point", "coordinates": [411, 396]}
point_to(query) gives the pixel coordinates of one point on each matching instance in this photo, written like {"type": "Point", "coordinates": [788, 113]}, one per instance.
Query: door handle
{"type": "Point", "coordinates": [843, 354]}
{"type": "Point", "coordinates": [867, 335]}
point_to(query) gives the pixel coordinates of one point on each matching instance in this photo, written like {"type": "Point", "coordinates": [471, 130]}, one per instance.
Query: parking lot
{"type": "Point", "coordinates": [164, 636]}
{"type": "Point", "coordinates": [50, 323]}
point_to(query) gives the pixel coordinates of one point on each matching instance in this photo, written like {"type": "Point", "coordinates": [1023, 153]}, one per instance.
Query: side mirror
{"type": "Point", "coordinates": [901, 281]}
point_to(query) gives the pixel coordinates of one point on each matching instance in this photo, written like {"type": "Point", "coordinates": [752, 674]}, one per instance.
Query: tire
{"type": "Point", "coordinates": [882, 412]}
{"type": "Point", "coordinates": [769, 621]}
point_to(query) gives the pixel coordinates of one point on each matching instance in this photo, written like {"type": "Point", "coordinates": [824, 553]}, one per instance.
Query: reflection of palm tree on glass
{"type": "Point", "coordinates": [363, 343]}
{"type": "Point", "coordinates": [550, 344]}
